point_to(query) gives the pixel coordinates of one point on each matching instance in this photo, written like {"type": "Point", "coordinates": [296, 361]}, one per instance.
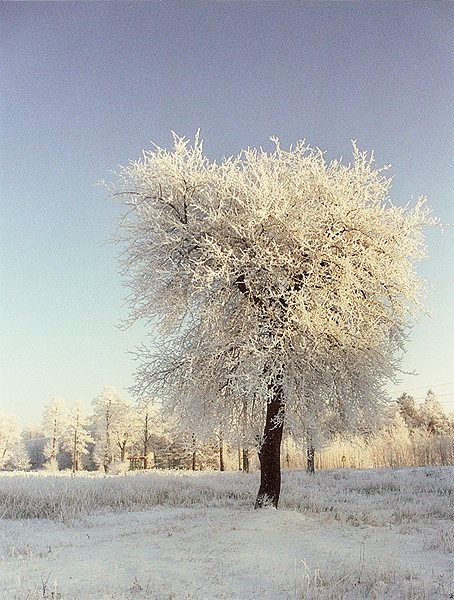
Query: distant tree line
{"type": "Point", "coordinates": [411, 435]}
{"type": "Point", "coordinates": [117, 434]}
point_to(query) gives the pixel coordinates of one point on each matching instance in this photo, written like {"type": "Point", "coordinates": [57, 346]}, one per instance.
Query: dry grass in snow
{"type": "Point", "coordinates": [341, 534]}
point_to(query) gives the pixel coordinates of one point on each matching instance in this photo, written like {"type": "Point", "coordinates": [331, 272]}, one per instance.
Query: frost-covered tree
{"type": "Point", "coordinates": [394, 438]}
{"type": "Point", "coordinates": [105, 408]}
{"type": "Point", "coordinates": [406, 406]}
{"type": "Point", "coordinates": [115, 424]}
{"type": "Point", "coordinates": [146, 426]}
{"type": "Point", "coordinates": [76, 437]}
{"type": "Point", "coordinates": [432, 415]}
{"type": "Point", "coordinates": [19, 458]}
{"type": "Point", "coordinates": [312, 432]}
{"type": "Point", "coordinates": [32, 432]}
{"type": "Point", "coordinates": [125, 427]}
{"type": "Point", "coordinates": [55, 420]}
{"type": "Point", "coordinates": [275, 276]}
{"type": "Point", "coordinates": [9, 437]}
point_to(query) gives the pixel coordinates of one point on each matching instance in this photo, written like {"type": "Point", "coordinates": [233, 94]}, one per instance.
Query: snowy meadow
{"type": "Point", "coordinates": [372, 533]}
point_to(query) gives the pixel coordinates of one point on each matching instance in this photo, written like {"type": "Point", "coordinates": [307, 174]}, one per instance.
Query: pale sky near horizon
{"type": "Point", "coordinates": [84, 86]}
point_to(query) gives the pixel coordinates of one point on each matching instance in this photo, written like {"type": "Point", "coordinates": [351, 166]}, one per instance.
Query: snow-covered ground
{"type": "Point", "coordinates": [163, 535]}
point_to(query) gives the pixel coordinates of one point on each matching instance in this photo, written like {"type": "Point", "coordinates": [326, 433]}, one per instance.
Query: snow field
{"type": "Point", "coordinates": [339, 534]}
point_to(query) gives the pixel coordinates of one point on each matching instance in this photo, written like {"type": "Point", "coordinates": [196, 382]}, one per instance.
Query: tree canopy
{"type": "Point", "coordinates": [269, 277]}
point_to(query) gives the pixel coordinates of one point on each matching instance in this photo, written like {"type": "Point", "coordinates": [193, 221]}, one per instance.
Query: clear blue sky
{"type": "Point", "coordinates": [86, 85]}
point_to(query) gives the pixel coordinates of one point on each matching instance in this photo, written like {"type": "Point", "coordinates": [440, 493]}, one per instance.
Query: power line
{"type": "Point", "coordinates": [424, 387]}
{"type": "Point", "coordinates": [421, 398]}
{"type": "Point", "coordinates": [437, 395]}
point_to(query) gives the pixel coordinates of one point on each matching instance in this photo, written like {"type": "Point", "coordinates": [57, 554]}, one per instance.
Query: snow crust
{"type": "Point", "coordinates": [340, 534]}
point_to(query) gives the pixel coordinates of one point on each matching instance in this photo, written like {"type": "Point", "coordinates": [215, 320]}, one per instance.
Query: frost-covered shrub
{"type": "Point", "coordinates": [119, 468]}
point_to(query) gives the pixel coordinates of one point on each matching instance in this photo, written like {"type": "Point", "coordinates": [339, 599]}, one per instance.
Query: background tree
{"type": "Point", "coordinates": [408, 410]}
{"type": "Point", "coordinates": [34, 441]}
{"type": "Point", "coordinates": [116, 426]}
{"type": "Point", "coordinates": [55, 421]}
{"type": "Point", "coordinates": [266, 275]}
{"type": "Point", "coordinates": [146, 427]}
{"type": "Point", "coordinates": [19, 458]}
{"type": "Point", "coordinates": [220, 437]}
{"type": "Point", "coordinates": [312, 429]}
{"type": "Point", "coordinates": [32, 432]}
{"type": "Point", "coordinates": [76, 437]}
{"type": "Point", "coordinates": [126, 426]}
{"type": "Point", "coordinates": [432, 415]}
{"type": "Point", "coordinates": [104, 419]}
{"type": "Point", "coordinates": [9, 437]}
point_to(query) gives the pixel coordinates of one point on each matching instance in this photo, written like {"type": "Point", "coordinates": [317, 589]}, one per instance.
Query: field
{"type": "Point", "coordinates": [341, 534]}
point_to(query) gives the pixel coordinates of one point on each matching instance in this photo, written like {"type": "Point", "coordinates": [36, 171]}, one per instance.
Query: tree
{"type": "Point", "coordinates": [432, 415]}
{"type": "Point", "coordinates": [55, 421]}
{"type": "Point", "coordinates": [312, 429]}
{"type": "Point", "coordinates": [9, 437]}
{"type": "Point", "coordinates": [276, 276]}
{"type": "Point", "coordinates": [406, 407]}
{"type": "Point", "coordinates": [19, 458]}
{"type": "Point", "coordinates": [146, 417]}
{"type": "Point", "coordinates": [76, 437]}
{"type": "Point", "coordinates": [34, 440]}
{"type": "Point", "coordinates": [32, 432]}
{"type": "Point", "coordinates": [116, 425]}
{"type": "Point", "coordinates": [125, 427]}
{"type": "Point", "coordinates": [105, 408]}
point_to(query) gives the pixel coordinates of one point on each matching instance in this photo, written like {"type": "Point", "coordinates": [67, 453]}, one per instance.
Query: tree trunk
{"type": "Point", "coordinates": [145, 443]}
{"type": "Point", "coordinates": [107, 451]}
{"type": "Point", "coordinates": [310, 459]}
{"type": "Point", "coordinates": [245, 460]}
{"type": "Point", "coordinates": [270, 453]}
{"type": "Point", "coordinates": [221, 455]}
{"type": "Point", "coordinates": [75, 462]}
{"type": "Point", "coordinates": [194, 452]}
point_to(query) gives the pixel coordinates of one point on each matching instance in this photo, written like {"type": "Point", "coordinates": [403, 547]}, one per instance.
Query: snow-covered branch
{"type": "Point", "coordinates": [265, 270]}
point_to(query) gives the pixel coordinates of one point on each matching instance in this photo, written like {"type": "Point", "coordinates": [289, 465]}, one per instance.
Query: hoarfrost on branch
{"type": "Point", "coordinates": [268, 271]}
